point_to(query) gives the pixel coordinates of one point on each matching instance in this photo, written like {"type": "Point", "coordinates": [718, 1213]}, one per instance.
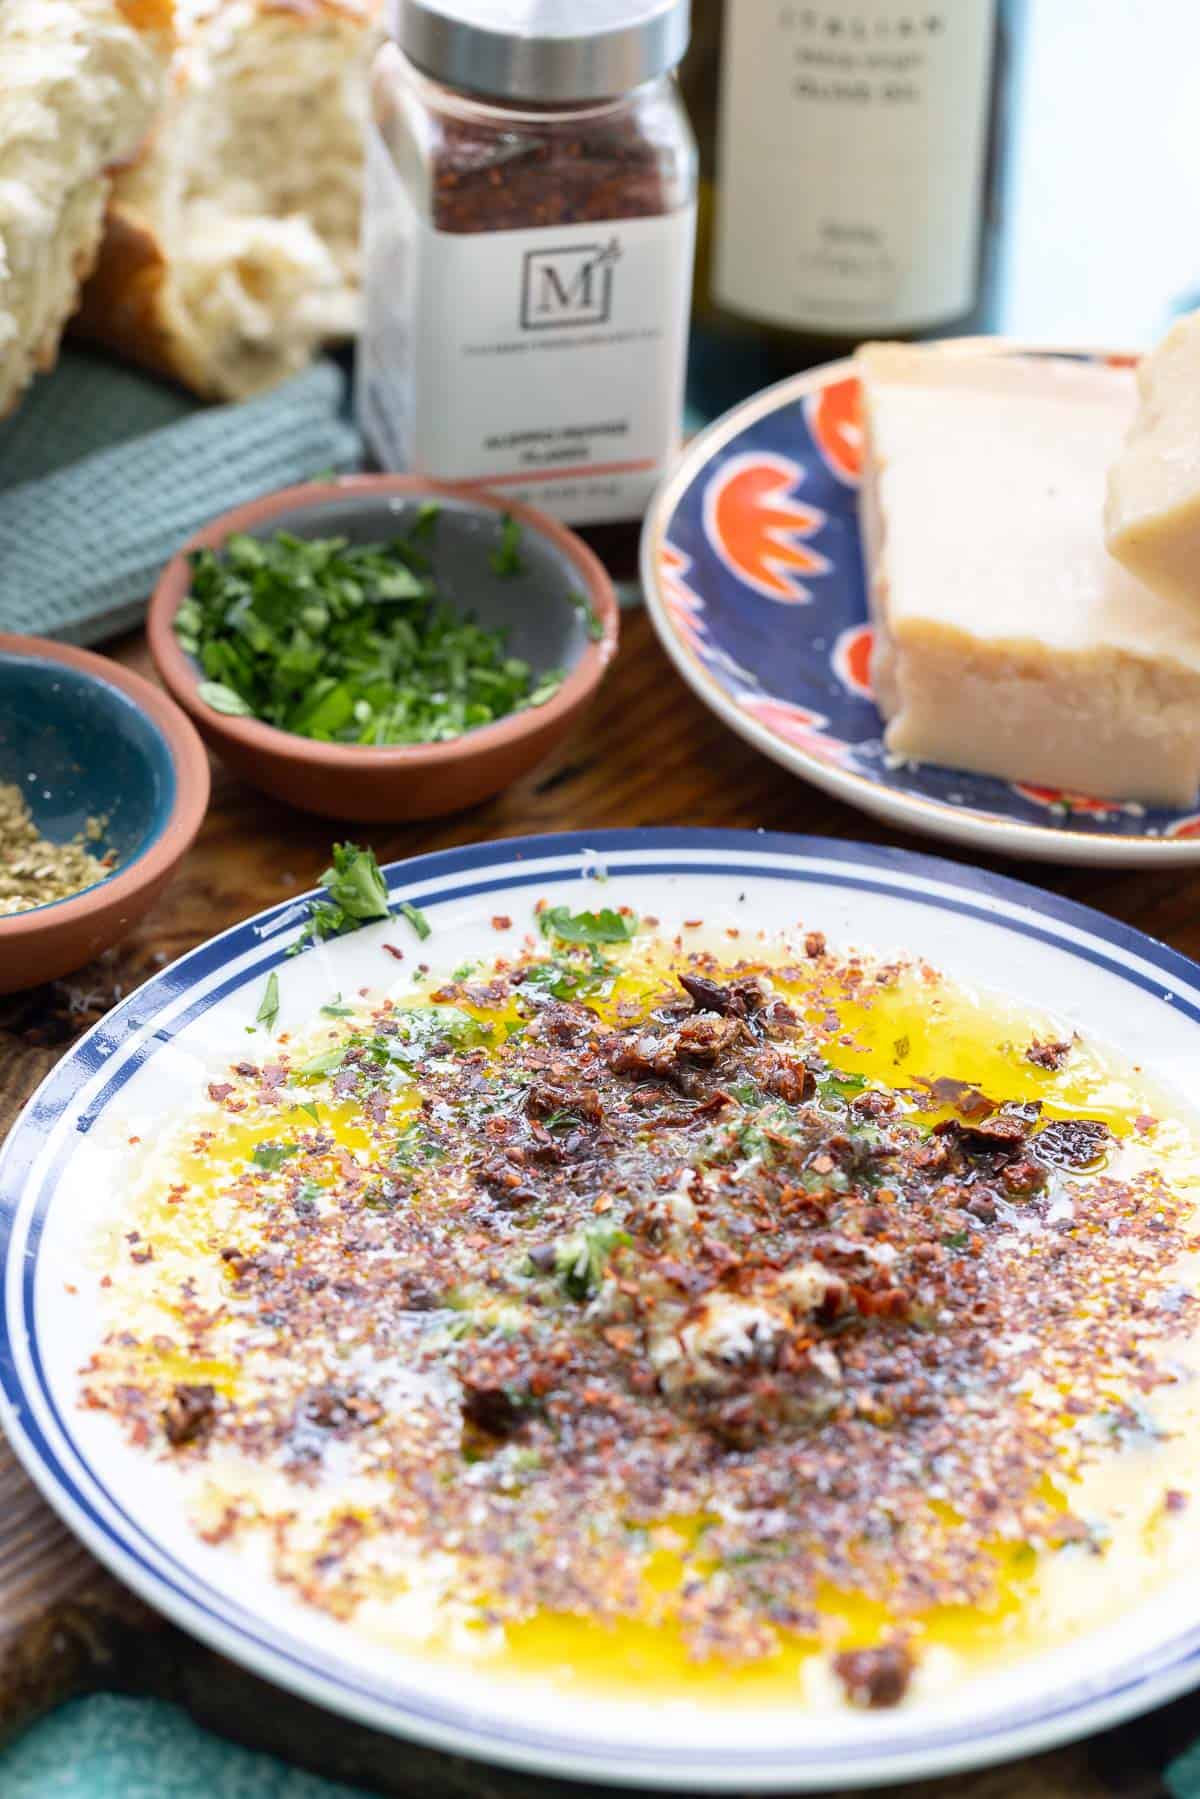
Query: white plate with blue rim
{"type": "Point", "coordinates": [753, 576]}
{"type": "Point", "coordinates": [150, 1058]}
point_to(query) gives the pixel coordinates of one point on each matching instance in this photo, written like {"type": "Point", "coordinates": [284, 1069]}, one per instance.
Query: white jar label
{"type": "Point", "coordinates": [851, 161]}
{"type": "Point", "coordinates": [548, 363]}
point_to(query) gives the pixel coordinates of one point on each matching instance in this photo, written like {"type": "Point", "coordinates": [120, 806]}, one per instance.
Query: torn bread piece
{"type": "Point", "coordinates": [1007, 640]}
{"type": "Point", "coordinates": [231, 253]}
{"type": "Point", "coordinates": [80, 82]}
{"type": "Point", "coordinates": [1152, 509]}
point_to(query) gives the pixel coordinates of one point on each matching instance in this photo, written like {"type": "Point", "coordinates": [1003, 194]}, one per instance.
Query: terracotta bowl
{"type": "Point", "coordinates": [537, 609]}
{"type": "Point", "coordinates": [85, 738]}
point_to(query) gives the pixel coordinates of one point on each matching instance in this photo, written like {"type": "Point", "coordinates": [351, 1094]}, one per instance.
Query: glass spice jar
{"type": "Point", "coordinates": [530, 216]}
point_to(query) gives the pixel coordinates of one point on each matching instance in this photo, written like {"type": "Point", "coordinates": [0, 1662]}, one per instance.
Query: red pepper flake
{"type": "Point", "coordinates": [394, 950]}
{"type": "Point", "coordinates": [684, 1275]}
{"type": "Point", "coordinates": [692, 924]}
{"type": "Point", "coordinates": [502, 922]}
{"type": "Point", "coordinates": [891, 1302]}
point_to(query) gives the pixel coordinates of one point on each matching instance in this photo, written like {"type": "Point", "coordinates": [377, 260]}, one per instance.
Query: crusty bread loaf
{"type": "Point", "coordinates": [80, 81]}
{"type": "Point", "coordinates": [232, 246]}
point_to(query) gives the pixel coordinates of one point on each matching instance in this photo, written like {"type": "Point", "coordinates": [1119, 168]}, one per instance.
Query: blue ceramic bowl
{"type": "Point", "coordinates": [85, 738]}
{"type": "Point", "coordinates": [78, 749]}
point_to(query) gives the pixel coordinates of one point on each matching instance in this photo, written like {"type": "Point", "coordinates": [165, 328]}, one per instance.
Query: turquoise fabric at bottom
{"type": "Point", "coordinates": [1182, 1778]}
{"type": "Point", "coordinates": [108, 1747]}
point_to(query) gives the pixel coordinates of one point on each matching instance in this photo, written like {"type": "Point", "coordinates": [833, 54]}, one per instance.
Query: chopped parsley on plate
{"type": "Point", "coordinates": [356, 894]}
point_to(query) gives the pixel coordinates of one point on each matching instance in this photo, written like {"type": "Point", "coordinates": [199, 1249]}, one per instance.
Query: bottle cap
{"type": "Point", "coordinates": [542, 50]}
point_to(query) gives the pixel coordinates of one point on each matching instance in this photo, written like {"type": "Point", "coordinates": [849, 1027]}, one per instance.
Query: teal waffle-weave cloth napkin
{"type": "Point", "coordinates": [105, 471]}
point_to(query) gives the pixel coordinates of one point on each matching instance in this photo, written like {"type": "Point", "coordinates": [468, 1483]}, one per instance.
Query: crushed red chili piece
{"type": "Point", "coordinates": [189, 1413]}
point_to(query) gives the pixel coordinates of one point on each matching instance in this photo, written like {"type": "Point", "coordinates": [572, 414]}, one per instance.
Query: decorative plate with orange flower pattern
{"type": "Point", "coordinates": [754, 577]}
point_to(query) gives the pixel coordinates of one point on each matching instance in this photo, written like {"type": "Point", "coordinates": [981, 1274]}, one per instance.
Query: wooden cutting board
{"type": "Point", "coordinates": [648, 755]}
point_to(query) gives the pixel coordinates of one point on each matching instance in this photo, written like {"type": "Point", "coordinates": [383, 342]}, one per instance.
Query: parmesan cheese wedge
{"type": "Point", "coordinates": [1007, 640]}
{"type": "Point", "coordinates": [1152, 513]}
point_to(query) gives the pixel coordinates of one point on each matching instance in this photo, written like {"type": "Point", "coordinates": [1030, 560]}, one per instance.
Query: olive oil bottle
{"type": "Point", "coordinates": [851, 153]}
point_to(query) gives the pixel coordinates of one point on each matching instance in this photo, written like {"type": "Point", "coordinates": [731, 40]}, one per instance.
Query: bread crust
{"type": "Point", "coordinates": [152, 20]}
{"type": "Point", "coordinates": [44, 355]}
{"type": "Point", "coordinates": [124, 305]}
{"type": "Point", "coordinates": [154, 16]}
{"type": "Point", "coordinates": [127, 304]}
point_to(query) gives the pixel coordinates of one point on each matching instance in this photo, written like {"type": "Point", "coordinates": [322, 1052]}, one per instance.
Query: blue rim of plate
{"type": "Point", "coordinates": [753, 577]}
{"type": "Point", "coordinates": [149, 1019]}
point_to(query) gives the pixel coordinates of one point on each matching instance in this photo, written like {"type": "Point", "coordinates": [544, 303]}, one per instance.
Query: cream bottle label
{"type": "Point", "coordinates": [852, 145]}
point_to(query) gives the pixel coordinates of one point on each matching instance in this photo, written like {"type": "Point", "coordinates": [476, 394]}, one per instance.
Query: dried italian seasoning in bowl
{"type": "Point", "coordinates": [35, 870]}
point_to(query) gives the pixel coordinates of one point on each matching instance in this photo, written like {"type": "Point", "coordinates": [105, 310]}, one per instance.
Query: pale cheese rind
{"type": "Point", "coordinates": [1152, 507]}
{"type": "Point", "coordinates": [1008, 642]}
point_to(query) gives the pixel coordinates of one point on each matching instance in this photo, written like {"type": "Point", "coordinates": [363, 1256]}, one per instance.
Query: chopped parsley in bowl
{"type": "Point", "coordinates": [350, 643]}
{"type": "Point", "coordinates": [383, 647]}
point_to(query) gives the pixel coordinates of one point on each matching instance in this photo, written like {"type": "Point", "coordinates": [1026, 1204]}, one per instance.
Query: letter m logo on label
{"type": "Point", "coordinates": [568, 286]}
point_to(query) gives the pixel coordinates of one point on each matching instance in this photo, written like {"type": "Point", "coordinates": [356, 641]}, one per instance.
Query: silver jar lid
{"type": "Point", "coordinates": [542, 50]}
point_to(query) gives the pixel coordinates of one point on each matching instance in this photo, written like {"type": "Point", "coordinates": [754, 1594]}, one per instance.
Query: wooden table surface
{"type": "Point", "coordinates": [649, 754]}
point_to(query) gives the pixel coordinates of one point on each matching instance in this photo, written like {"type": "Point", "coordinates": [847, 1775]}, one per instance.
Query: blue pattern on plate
{"type": "Point", "coordinates": [761, 580]}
